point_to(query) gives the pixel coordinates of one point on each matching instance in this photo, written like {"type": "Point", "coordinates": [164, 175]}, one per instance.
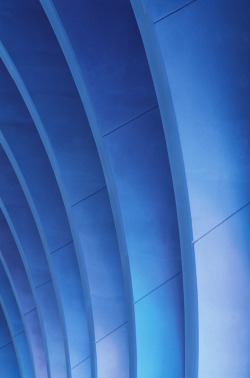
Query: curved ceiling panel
{"type": "Point", "coordinates": [123, 221]}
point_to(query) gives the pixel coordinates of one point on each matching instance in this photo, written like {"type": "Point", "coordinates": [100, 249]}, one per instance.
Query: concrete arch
{"type": "Point", "coordinates": [116, 288]}
{"type": "Point", "coordinates": [20, 286]}
{"type": "Point", "coordinates": [55, 232]}
{"type": "Point", "coordinates": [7, 352]}
{"type": "Point", "coordinates": [125, 148]}
{"type": "Point", "coordinates": [101, 119]}
{"type": "Point", "coordinates": [16, 326]}
{"type": "Point", "coordinates": [196, 76]}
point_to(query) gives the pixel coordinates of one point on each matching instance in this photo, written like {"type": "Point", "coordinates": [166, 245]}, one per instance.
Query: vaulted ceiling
{"type": "Point", "coordinates": [124, 189]}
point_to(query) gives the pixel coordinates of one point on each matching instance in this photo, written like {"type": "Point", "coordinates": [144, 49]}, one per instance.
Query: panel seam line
{"type": "Point", "coordinates": [11, 342]}
{"type": "Point", "coordinates": [19, 333]}
{"type": "Point", "coordinates": [79, 363]}
{"type": "Point", "coordinates": [64, 245]}
{"type": "Point", "coordinates": [91, 195]}
{"type": "Point", "coordinates": [43, 283]}
{"type": "Point", "coordinates": [177, 10]}
{"type": "Point", "coordinates": [131, 120]}
{"type": "Point", "coordinates": [169, 279]}
{"type": "Point", "coordinates": [104, 337]}
{"type": "Point", "coordinates": [219, 224]}
{"type": "Point", "coordinates": [26, 313]}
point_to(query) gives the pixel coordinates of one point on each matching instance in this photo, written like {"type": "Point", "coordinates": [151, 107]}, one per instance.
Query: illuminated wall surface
{"type": "Point", "coordinates": [124, 189]}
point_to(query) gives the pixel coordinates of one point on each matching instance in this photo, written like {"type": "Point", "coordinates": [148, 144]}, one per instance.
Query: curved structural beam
{"type": "Point", "coordinates": [69, 178]}
{"type": "Point", "coordinates": [22, 223]}
{"type": "Point", "coordinates": [69, 290]}
{"type": "Point", "coordinates": [16, 325]}
{"type": "Point", "coordinates": [46, 208]}
{"type": "Point", "coordinates": [123, 115]}
{"type": "Point", "coordinates": [14, 268]}
{"type": "Point", "coordinates": [110, 314]}
{"type": "Point", "coordinates": [205, 110]}
{"type": "Point", "coordinates": [123, 212]}
{"type": "Point", "coordinates": [180, 188]}
{"type": "Point", "coordinates": [8, 361]}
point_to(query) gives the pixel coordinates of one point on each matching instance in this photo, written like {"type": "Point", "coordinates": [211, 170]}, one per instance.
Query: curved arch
{"type": "Point", "coordinates": [24, 225]}
{"type": "Point", "coordinates": [50, 152]}
{"type": "Point", "coordinates": [9, 365]}
{"type": "Point", "coordinates": [16, 326]}
{"type": "Point", "coordinates": [112, 289]}
{"type": "Point", "coordinates": [201, 102]}
{"type": "Point", "coordinates": [43, 295]}
{"type": "Point", "coordinates": [64, 265]}
{"type": "Point", "coordinates": [78, 78]}
{"type": "Point", "coordinates": [100, 175]}
{"type": "Point", "coordinates": [117, 133]}
{"type": "Point", "coordinates": [20, 285]}
{"type": "Point", "coordinates": [180, 188]}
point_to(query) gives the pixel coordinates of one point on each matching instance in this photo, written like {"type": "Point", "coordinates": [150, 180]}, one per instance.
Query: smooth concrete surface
{"type": "Point", "coordinates": [124, 189]}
